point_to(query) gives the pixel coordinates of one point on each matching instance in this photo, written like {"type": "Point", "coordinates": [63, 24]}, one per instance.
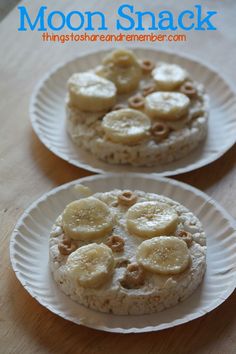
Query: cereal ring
{"type": "Point", "coordinates": [65, 250]}
{"type": "Point", "coordinates": [127, 198]}
{"type": "Point", "coordinates": [148, 89]}
{"type": "Point", "coordinates": [66, 246]}
{"type": "Point", "coordinates": [134, 276]}
{"type": "Point", "coordinates": [116, 243]}
{"type": "Point", "coordinates": [188, 89]}
{"type": "Point", "coordinates": [136, 102]}
{"type": "Point", "coordinates": [160, 130]}
{"type": "Point", "coordinates": [147, 66]}
{"type": "Point", "coordinates": [185, 236]}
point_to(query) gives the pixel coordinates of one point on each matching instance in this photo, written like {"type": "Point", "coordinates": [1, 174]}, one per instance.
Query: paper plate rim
{"type": "Point", "coordinates": [87, 166]}
{"type": "Point", "coordinates": [177, 184]}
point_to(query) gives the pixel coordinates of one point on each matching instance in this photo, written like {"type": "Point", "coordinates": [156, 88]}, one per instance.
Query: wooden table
{"type": "Point", "coordinates": [28, 170]}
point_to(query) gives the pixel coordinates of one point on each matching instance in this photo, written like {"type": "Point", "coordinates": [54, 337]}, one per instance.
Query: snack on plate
{"type": "Point", "coordinates": [136, 112]}
{"type": "Point", "coordinates": [127, 252]}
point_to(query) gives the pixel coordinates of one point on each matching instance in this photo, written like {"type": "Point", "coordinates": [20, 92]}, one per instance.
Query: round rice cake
{"type": "Point", "coordinates": [128, 253]}
{"type": "Point", "coordinates": [175, 104]}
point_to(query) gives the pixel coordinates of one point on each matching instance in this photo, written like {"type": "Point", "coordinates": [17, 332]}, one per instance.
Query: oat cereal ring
{"type": "Point", "coordinates": [116, 243]}
{"type": "Point", "coordinates": [127, 198]}
{"type": "Point", "coordinates": [148, 89]}
{"type": "Point", "coordinates": [160, 130]}
{"type": "Point", "coordinates": [147, 66]}
{"type": "Point", "coordinates": [185, 236]}
{"type": "Point", "coordinates": [134, 276]}
{"type": "Point", "coordinates": [136, 102]}
{"type": "Point", "coordinates": [66, 249]}
{"type": "Point", "coordinates": [119, 106]}
{"type": "Point", "coordinates": [188, 89]}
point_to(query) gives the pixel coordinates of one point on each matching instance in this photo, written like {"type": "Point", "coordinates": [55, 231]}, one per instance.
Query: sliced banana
{"type": "Point", "coordinates": [123, 69]}
{"type": "Point", "coordinates": [126, 80]}
{"type": "Point", "coordinates": [164, 255]}
{"type": "Point", "coordinates": [150, 219]}
{"type": "Point", "coordinates": [90, 92]}
{"type": "Point", "coordinates": [167, 105]}
{"type": "Point", "coordinates": [169, 76]}
{"type": "Point", "coordinates": [84, 190]}
{"type": "Point", "coordinates": [90, 265]}
{"type": "Point", "coordinates": [87, 219]}
{"type": "Point", "coordinates": [122, 58]}
{"type": "Point", "coordinates": [126, 126]}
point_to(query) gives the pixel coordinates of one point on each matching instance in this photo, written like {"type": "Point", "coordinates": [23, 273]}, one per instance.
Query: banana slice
{"type": "Point", "coordinates": [90, 92]}
{"type": "Point", "coordinates": [126, 80]}
{"type": "Point", "coordinates": [150, 219]}
{"type": "Point", "coordinates": [164, 255]}
{"type": "Point", "coordinates": [123, 69]}
{"type": "Point", "coordinates": [169, 76]}
{"type": "Point", "coordinates": [126, 126]}
{"type": "Point", "coordinates": [167, 105]}
{"type": "Point", "coordinates": [84, 190]}
{"type": "Point", "coordinates": [123, 58]}
{"type": "Point", "coordinates": [87, 219]}
{"type": "Point", "coordinates": [90, 265]}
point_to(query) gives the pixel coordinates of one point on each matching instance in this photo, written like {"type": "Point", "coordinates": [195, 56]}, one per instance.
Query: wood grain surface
{"type": "Point", "coordinates": [28, 169]}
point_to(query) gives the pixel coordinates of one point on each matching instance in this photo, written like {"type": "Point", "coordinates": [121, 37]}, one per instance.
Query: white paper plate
{"type": "Point", "coordinates": [47, 112]}
{"type": "Point", "coordinates": [29, 254]}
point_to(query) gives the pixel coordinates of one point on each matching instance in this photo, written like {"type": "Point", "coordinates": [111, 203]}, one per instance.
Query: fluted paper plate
{"type": "Point", "coordinates": [29, 251]}
{"type": "Point", "coordinates": [47, 112]}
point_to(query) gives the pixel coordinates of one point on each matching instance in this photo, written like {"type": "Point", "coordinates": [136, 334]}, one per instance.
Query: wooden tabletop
{"type": "Point", "coordinates": [28, 170]}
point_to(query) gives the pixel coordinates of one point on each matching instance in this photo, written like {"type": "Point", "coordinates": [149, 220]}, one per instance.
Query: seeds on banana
{"type": "Point", "coordinates": [91, 265]}
{"type": "Point", "coordinates": [126, 126]}
{"type": "Point", "coordinates": [87, 219]}
{"type": "Point", "coordinates": [164, 255]}
{"type": "Point", "coordinates": [167, 105]}
{"type": "Point", "coordinates": [150, 219]}
{"type": "Point", "coordinates": [169, 76]}
{"type": "Point", "coordinates": [91, 93]}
